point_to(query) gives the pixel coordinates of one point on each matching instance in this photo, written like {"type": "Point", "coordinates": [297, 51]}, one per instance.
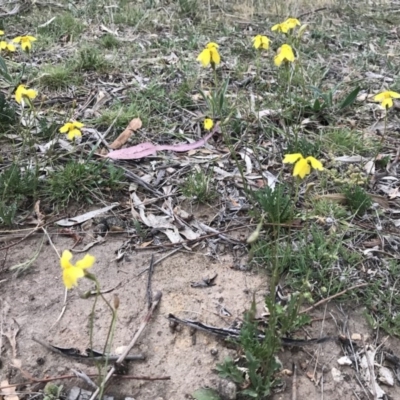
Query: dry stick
{"type": "Point", "coordinates": [332, 297]}
{"type": "Point", "coordinates": [61, 377]}
{"type": "Point", "coordinates": [156, 299]}
{"type": "Point", "coordinates": [148, 290]}
{"type": "Point", "coordinates": [294, 382]}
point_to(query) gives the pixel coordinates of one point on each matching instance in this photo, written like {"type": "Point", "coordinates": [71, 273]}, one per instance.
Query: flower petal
{"type": "Point", "coordinates": [74, 133]}
{"type": "Point", "coordinates": [394, 95]}
{"type": "Point", "coordinates": [86, 262]}
{"type": "Point", "coordinates": [212, 45]}
{"type": "Point", "coordinates": [316, 164]}
{"type": "Point", "coordinates": [77, 124]}
{"type": "Point", "coordinates": [31, 93]}
{"type": "Point", "coordinates": [71, 276]}
{"type": "Point", "coordinates": [17, 39]}
{"type": "Point", "coordinates": [205, 57]}
{"type": "Point", "coordinates": [381, 96]}
{"type": "Point", "coordinates": [292, 158]}
{"type": "Point", "coordinates": [65, 259]}
{"type": "Point", "coordinates": [387, 103]}
{"type": "Point", "coordinates": [215, 57]}
{"type": "Point", "coordinates": [302, 168]}
{"type": "Point", "coordinates": [65, 128]}
{"type": "Point", "coordinates": [257, 41]}
{"type": "Point", "coordinates": [208, 124]}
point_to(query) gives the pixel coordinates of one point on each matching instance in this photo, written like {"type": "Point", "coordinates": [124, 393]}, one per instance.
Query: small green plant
{"type": "Point", "coordinates": [357, 199]}
{"type": "Point", "coordinates": [64, 24]}
{"type": "Point", "coordinates": [58, 77]}
{"type": "Point", "coordinates": [109, 41]}
{"type": "Point", "coordinates": [188, 8]}
{"type": "Point", "coordinates": [258, 365]}
{"type": "Point", "coordinates": [77, 180]}
{"type": "Point", "coordinates": [199, 187]}
{"type": "Point", "coordinates": [275, 203]}
{"type": "Point", "coordinates": [91, 59]}
{"type": "Point", "coordinates": [328, 208]}
{"type": "Point", "coordinates": [52, 391]}
{"type": "Point", "coordinates": [216, 101]}
{"type": "Point", "coordinates": [8, 116]}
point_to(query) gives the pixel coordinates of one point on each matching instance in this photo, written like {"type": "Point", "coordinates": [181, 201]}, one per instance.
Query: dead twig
{"type": "Point", "coordinates": [148, 290]}
{"type": "Point", "coordinates": [332, 297]}
{"type": "Point", "coordinates": [156, 300]}
{"type": "Point", "coordinates": [62, 377]}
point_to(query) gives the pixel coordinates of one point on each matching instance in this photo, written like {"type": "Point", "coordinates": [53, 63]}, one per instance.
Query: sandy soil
{"type": "Point", "coordinates": [35, 300]}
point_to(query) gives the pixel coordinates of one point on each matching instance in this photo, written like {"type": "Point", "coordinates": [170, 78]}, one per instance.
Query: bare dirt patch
{"type": "Point", "coordinates": [35, 301]}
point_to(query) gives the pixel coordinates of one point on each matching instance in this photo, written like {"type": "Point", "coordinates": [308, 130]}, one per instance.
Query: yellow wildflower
{"type": "Point", "coordinates": [284, 53]}
{"type": "Point", "coordinates": [25, 41]}
{"type": "Point", "coordinates": [302, 165]}
{"type": "Point", "coordinates": [291, 23]}
{"type": "Point", "coordinates": [386, 98]}
{"type": "Point", "coordinates": [1, 33]}
{"type": "Point", "coordinates": [210, 55]}
{"type": "Point", "coordinates": [282, 27]}
{"type": "Point", "coordinates": [71, 272]}
{"type": "Point", "coordinates": [286, 26]}
{"type": "Point", "coordinates": [6, 46]}
{"type": "Point", "coordinates": [23, 93]}
{"type": "Point", "coordinates": [72, 129]}
{"type": "Point", "coordinates": [208, 124]}
{"type": "Point", "coordinates": [261, 42]}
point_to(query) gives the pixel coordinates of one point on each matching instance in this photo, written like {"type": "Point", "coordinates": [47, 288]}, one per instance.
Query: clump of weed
{"type": "Point", "coordinates": [91, 59]}
{"type": "Point", "coordinates": [275, 203]}
{"type": "Point", "coordinates": [8, 116]}
{"type": "Point", "coordinates": [328, 208]}
{"type": "Point", "coordinates": [199, 187]}
{"type": "Point", "coordinates": [357, 199]}
{"type": "Point", "coordinates": [345, 141]}
{"type": "Point", "coordinates": [78, 180]}
{"type": "Point", "coordinates": [56, 77]}
{"type": "Point", "coordinates": [18, 185]}
{"type": "Point", "coordinates": [258, 348]}
{"type": "Point", "coordinates": [64, 24]}
{"type": "Point", "coordinates": [109, 41]}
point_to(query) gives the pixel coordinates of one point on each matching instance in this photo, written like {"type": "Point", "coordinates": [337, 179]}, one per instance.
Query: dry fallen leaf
{"type": "Point", "coordinates": [6, 392]}
{"type": "Point", "coordinates": [134, 125]}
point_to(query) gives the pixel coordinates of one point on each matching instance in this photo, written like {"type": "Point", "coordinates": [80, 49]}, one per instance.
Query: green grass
{"type": "Point", "coordinates": [58, 77]}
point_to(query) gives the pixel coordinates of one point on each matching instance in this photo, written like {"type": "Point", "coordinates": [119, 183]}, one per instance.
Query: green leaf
{"type": "Point", "coordinates": [350, 98]}
{"type": "Point", "coordinates": [206, 394]}
{"type": "Point", "coordinates": [316, 106]}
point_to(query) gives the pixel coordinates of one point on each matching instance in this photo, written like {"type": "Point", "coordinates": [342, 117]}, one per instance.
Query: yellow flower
{"type": "Point", "coordinates": [284, 53]}
{"type": "Point", "coordinates": [291, 23]}
{"type": "Point", "coordinates": [210, 55]}
{"type": "Point", "coordinates": [286, 26]}
{"type": "Point", "coordinates": [261, 42]}
{"type": "Point", "coordinates": [1, 33]}
{"type": "Point", "coordinates": [22, 93]}
{"type": "Point", "coordinates": [208, 124]}
{"type": "Point", "coordinates": [282, 27]}
{"type": "Point", "coordinates": [386, 98]}
{"type": "Point", "coordinates": [6, 46]}
{"type": "Point", "coordinates": [302, 165]}
{"type": "Point", "coordinates": [26, 42]}
{"type": "Point", "coordinates": [72, 129]}
{"type": "Point", "coordinates": [71, 272]}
